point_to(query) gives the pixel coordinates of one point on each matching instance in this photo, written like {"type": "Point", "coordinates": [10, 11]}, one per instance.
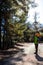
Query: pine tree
{"type": "Point", "coordinates": [8, 10]}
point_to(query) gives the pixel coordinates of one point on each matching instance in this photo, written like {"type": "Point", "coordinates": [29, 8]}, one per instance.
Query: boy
{"type": "Point", "coordinates": [36, 39]}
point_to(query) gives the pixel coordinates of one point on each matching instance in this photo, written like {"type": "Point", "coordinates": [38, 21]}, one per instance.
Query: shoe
{"type": "Point", "coordinates": [35, 53]}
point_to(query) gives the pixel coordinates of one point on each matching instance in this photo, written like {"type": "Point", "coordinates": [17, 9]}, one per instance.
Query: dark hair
{"type": "Point", "coordinates": [37, 31]}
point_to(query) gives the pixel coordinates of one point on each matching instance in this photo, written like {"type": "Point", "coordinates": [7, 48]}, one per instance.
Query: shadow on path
{"type": "Point", "coordinates": [39, 58]}
{"type": "Point", "coordinates": [11, 58]}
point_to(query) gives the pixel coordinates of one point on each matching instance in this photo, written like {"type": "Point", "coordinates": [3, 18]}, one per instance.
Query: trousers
{"type": "Point", "coordinates": [36, 48]}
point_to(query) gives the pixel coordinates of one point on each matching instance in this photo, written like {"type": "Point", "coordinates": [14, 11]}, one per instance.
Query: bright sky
{"type": "Point", "coordinates": [39, 10]}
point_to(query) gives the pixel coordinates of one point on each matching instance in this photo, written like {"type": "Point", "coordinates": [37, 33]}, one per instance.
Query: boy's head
{"type": "Point", "coordinates": [37, 34]}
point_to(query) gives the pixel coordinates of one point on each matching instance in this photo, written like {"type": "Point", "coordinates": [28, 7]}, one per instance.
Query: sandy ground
{"type": "Point", "coordinates": [22, 55]}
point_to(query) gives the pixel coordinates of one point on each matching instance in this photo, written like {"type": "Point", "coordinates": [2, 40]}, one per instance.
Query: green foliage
{"type": "Point", "coordinates": [17, 29]}
{"type": "Point", "coordinates": [14, 29]}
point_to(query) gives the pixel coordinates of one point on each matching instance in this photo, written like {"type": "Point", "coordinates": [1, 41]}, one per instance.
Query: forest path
{"type": "Point", "coordinates": [22, 54]}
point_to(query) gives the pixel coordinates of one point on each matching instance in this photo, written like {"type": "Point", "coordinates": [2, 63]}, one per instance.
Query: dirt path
{"type": "Point", "coordinates": [24, 56]}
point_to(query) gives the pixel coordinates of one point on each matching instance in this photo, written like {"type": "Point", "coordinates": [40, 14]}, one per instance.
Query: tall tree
{"type": "Point", "coordinates": [36, 23]}
{"type": "Point", "coordinates": [14, 13]}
